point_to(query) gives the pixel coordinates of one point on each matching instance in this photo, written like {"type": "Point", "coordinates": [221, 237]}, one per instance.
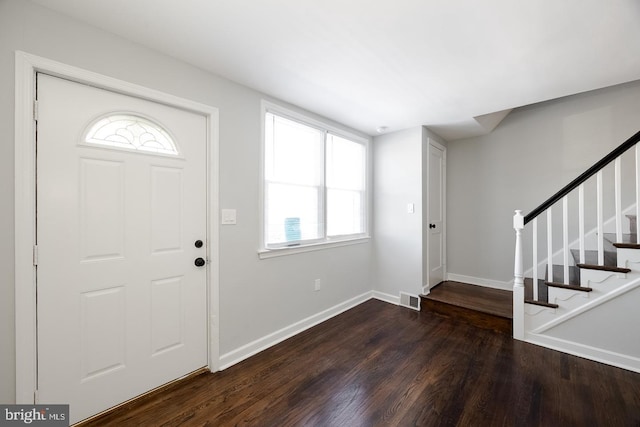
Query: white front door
{"type": "Point", "coordinates": [121, 201]}
{"type": "Point", "coordinates": [436, 214]}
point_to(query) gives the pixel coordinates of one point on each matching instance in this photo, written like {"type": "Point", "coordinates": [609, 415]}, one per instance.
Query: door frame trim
{"type": "Point", "coordinates": [26, 67]}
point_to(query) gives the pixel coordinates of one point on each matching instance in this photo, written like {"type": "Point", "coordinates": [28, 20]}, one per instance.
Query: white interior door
{"type": "Point", "coordinates": [436, 215]}
{"type": "Point", "coordinates": [121, 201]}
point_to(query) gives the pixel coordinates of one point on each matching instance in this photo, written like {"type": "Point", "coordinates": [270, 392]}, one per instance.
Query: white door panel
{"type": "Point", "coordinates": [436, 215]}
{"type": "Point", "coordinates": [121, 305]}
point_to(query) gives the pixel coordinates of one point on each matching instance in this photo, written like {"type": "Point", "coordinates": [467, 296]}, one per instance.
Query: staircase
{"type": "Point", "coordinates": [581, 292]}
{"type": "Point", "coordinates": [611, 246]}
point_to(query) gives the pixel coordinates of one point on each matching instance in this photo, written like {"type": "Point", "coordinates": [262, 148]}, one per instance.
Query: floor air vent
{"type": "Point", "coordinates": [410, 301]}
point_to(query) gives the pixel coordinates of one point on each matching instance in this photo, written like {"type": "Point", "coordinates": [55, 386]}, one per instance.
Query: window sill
{"type": "Point", "coordinates": [272, 253]}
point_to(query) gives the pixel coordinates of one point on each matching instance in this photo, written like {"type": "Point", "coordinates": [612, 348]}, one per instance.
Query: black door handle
{"type": "Point", "coordinates": [432, 226]}
{"type": "Point", "coordinates": [199, 262]}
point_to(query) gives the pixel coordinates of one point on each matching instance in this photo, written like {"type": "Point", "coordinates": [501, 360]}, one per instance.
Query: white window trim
{"type": "Point", "coordinates": [328, 242]}
{"type": "Point", "coordinates": [311, 247]}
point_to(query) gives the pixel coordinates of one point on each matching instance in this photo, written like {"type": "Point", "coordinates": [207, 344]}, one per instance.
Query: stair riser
{"type": "Point", "coordinates": [536, 316]}
{"type": "Point", "coordinates": [629, 258]}
{"type": "Point", "coordinates": [591, 278]}
{"type": "Point", "coordinates": [472, 317]}
{"type": "Point", "coordinates": [602, 283]}
{"type": "Point", "coordinates": [567, 298]}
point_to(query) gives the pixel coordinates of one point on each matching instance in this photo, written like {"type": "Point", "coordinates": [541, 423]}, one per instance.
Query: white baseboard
{"type": "Point", "coordinates": [248, 350]}
{"type": "Point", "coordinates": [623, 361]}
{"type": "Point", "coordinates": [487, 283]}
{"type": "Point", "coordinates": [385, 297]}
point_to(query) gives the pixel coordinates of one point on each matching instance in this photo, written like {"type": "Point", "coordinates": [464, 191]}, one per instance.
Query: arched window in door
{"type": "Point", "coordinates": [131, 132]}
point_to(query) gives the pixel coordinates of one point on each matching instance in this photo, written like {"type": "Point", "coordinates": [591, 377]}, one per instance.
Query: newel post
{"type": "Point", "coordinates": [518, 282]}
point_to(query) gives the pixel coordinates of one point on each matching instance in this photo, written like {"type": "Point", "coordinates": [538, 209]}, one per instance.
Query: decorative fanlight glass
{"type": "Point", "coordinates": [131, 132]}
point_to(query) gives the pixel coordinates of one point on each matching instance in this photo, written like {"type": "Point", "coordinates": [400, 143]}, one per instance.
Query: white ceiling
{"type": "Point", "coordinates": [401, 63]}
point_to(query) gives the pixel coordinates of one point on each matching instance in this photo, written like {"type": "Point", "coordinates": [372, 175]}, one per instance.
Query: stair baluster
{"type": "Point", "coordinates": [535, 259]}
{"type": "Point", "coordinates": [637, 156]}
{"type": "Point", "coordinates": [550, 244]}
{"type": "Point", "coordinates": [618, 197]}
{"type": "Point", "coordinates": [565, 240]}
{"type": "Point", "coordinates": [581, 222]}
{"type": "Point", "coordinates": [600, 220]}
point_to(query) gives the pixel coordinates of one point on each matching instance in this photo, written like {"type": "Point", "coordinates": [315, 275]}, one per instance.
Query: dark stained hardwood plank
{"type": "Point", "coordinates": [382, 365]}
{"type": "Point", "coordinates": [479, 298]}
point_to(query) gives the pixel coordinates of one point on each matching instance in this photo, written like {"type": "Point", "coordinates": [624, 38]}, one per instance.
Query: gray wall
{"type": "Point", "coordinates": [594, 327]}
{"type": "Point", "coordinates": [400, 172]}
{"type": "Point", "coordinates": [257, 297]}
{"type": "Point", "coordinates": [532, 154]}
{"type": "Point", "coordinates": [398, 234]}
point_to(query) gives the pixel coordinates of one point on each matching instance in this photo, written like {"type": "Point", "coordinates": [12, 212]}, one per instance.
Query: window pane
{"type": "Point", "coordinates": [345, 212]}
{"type": "Point", "coordinates": [293, 152]}
{"type": "Point", "coordinates": [345, 163]}
{"type": "Point", "coordinates": [287, 205]}
{"type": "Point", "coordinates": [314, 183]}
{"type": "Point", "coordinates": [345, 186]}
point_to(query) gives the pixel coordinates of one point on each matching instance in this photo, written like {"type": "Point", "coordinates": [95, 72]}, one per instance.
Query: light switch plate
{"type": "Point", "coordinates": [228, 216]}
{"type": "Point", "coordinates": [411, 208]}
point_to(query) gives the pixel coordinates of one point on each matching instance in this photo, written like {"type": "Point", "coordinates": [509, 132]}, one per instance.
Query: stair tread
{"type": "Point", "coordinates": [605, 268]}
{"type": "Point", "coordinates": [565, 286]}
{"type": "Point", "coordinates": [627, 245]}
{"type": "Point", "coordinates": [541, 303]}
{"type": "Point", "coordinates": [491, 301]}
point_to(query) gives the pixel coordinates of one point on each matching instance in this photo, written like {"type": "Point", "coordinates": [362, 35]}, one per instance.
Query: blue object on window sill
{"type": "Point", "coordinates": [292, 229]}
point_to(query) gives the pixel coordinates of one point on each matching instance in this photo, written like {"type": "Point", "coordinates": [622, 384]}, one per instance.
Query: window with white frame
{"type": "Point", "coordinates": [314, 182]}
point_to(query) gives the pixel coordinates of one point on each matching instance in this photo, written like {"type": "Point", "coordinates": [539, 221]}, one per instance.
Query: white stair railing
{"type": "Point", "coordinates": [520, 221]}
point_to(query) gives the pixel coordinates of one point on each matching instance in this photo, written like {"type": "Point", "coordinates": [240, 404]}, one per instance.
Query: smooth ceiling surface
{"type": "Point", "coordinates": [398, 64]}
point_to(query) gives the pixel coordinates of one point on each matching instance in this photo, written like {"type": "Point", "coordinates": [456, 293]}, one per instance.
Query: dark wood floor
{"type": "Point", "coordinates": [383, 365]}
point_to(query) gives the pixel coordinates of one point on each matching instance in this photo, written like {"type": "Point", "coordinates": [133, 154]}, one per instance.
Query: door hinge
{"type": "Point", "coordinates": [35, 254]}
{"type": "Point", "coordinates": [35, 110]}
